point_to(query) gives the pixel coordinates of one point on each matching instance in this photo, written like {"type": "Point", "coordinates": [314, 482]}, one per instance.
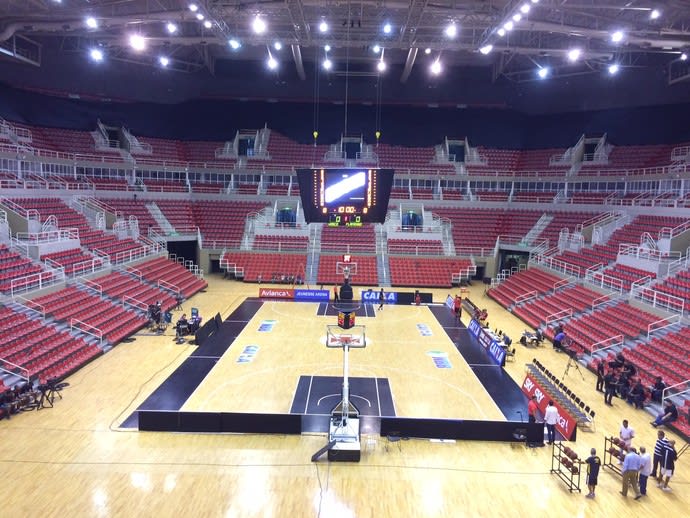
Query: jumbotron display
{"type": "Point", "coordinates": [345, 197]}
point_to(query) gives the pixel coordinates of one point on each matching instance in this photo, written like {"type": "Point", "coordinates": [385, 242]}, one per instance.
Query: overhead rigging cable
{"type": "Point", "coordinates": [347, 63]}
{"type": "Point", "coordinates": [317, 88]}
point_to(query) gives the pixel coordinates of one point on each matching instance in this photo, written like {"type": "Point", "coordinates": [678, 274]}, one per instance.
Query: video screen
{"type": "Point", "coordinates": [345, 197]}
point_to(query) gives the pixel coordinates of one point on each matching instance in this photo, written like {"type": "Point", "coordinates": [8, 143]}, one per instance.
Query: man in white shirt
{"type": "Point", "coordinates": [626, 435]}
{"type": "Point", "coordinates": [645, 469]}
{"type": "Point", "coordinates": [550, 419]}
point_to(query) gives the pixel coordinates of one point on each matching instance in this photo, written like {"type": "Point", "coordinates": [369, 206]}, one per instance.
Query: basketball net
{"type": "Point", "coordinates": [346, 272]}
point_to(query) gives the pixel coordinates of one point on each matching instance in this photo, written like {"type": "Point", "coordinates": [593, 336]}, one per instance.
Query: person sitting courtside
{"type": "Point", "coordinates": [182, 327]}
{"type": "Point", "coordinates": [668, 415]}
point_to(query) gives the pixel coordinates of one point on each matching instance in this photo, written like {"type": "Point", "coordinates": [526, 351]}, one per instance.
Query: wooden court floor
{"type": "Point", "coordinates": [74, 460]}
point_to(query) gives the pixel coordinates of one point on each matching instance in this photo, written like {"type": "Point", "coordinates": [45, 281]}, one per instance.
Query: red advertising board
{"type": "Point", "coordinates": [276, 293]}
{"type": "Point", "coordinates": [566, 423]}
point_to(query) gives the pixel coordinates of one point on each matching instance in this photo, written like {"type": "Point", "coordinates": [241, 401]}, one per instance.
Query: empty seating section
{"type": "Point", "coordinates": [277, 190]}
{"type": "Point", "coordinates": [179, 213]}
{"type": "Point", "coordinates": [203, 152]}
{"type": "Point", "coordinates": [534, 197]}
{"type": "Point", "coordinates": [208, 187]}
{"type": "Point", "coordinates": [165, 185]}
{"type": "Point", "coordinates": [170, 272]}
{"type": "Point", "coordinates": [561, 220]}
{"type": "Point", "coordinates": [268, 267]}
{"type": "Point", "coordinates": [677, 285]}
{"type": "Point", "coordinates": [576, 299]}
{"type": "Point", "coordinates": [426, 272]}
{"type": "Point", "coordinates": [532, 281]}
{"type": "Point", "coordinates": [286, 152]}
{"type": "Point", "coordinates": [14, 266]}
{"type": "Point", "coordinates": [70, 141]}
{"type": "Point", "coordinates": [40, 348]}
{"type": "Point", "coordinates": [667, 356]}
{"type": "Point", "coordinates": [89, 238]}
{"type": "Point", "coordinates": [109, 184]}
{"type": "Point", "coordinates": [349, 239]}
{"type": "Point", "coordinates": [127, 207]}
{"type": "Point", "coordinates": [117, 285]}
{"type": "Point", "coordinates": [534, 160]}
{"type": "Point", "coordinates": [630, 233]}
{"type": "Point", "coordinates": [113, 320]}
{"type": "Point", "coordinates": [632, 157]}
{"type": "Point", "coordinates": [366, 275]}
{"type": "Point", "coordinates": [590, 197]}
{"type": "Point", "coordinates": [605, 323]}
{"type": "Point", "coordinates": [496, 160]}
{"type": "Point", "coordinates": [401, 193]}
{"type": "Point", "coordinates": [74, 260]}
{"type": "Point", "coordinates": [415, 246]}
{"type": "Point", "coordinates": [222, 222]}
{"type": "Point", "coordinates": [492, 195]}
{"type": "Point", "coordinates": [247, 188]}
{"type": "Point", "coordinates": [419, 193]}
{"type": "Point", "coordinates": [167, 150]}
{"type": "Point", "coordinates": [278, 242]}
{"type": "Point", "coordinates": [626, 274]}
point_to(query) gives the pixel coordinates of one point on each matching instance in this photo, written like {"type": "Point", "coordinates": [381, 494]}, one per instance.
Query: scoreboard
{"type": "Point", "coordinates": [345, 197]}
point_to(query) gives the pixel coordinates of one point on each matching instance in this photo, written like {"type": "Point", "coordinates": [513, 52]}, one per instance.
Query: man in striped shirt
{"type": "Point", "coordinates": [659, 448]}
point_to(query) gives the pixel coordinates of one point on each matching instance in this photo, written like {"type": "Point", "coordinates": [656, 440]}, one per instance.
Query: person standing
{"type": "Point", "coordinates": [532, 410]}
{"type": "Point", "coordinates": [626, 434]}
{"type": "Point", "coordinates": [382, 299]}
{"type": "Point", "coordinates": [659, 448]}
{"type": "Point", "coordinates": [593, 463]}
{"type": "Point", "coordinates": [335, 293]}
{"type": "Point", "coordinates": [645, 469]}
{"type": "Point", "coordinates": [551, 418]}
{"type": "Point", "coordinates": [631, 470]}
{"type": "Point", "coordinates": [609, 387]}
{"type": "Point", "coordinates": [600, 376]}
{"type": "Point", "coordinates": [669, 464]}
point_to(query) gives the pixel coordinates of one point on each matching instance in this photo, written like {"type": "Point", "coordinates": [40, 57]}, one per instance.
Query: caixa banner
{"type": "Point", "coordinates": [488, 342]}
{"type": "Point", "coordinates": [566, 423]}
{"type": "Point", "coordinates": [372, 297]}
{"type": "Point", "coordinates": [312, 295]}
{"type": "Point", "coordinates": [279, 293]}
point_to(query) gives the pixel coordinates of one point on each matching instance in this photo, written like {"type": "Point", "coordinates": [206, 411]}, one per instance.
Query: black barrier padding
{"type": "Point", "coordinates": [218, 319]}
{"type": "Point", "coordinates": [405, 297]}
{"type": "Point", "coordinates": [461, 430]}
{"type": "Point", "coordinates": [289, 424]}
{"type": "Point", "coordinates": [205, 331]}
{"type": "Point", "coordinates": [209, 422]}
{"type": "Point", "coordinates": [158, 421]}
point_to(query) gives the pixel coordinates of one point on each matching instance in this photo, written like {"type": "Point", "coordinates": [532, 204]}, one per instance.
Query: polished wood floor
{"type": "Point", "coordinates": [74, 460]}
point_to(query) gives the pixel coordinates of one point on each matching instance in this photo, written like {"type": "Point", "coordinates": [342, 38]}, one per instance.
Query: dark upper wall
{"type": "Point", "coordinates": [403, 125]}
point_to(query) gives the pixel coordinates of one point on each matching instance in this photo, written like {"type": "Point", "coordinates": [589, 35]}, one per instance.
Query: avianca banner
{"type": "Point", "coordinates": [279, 293]}
{"type": "Point", "coordinates": [566, 423]}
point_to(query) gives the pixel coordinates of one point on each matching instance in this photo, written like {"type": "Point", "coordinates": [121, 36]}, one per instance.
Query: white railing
{"type": "Point", "coordinates": [664, 323]}
{"type": "Point", "coordinates": [678, 389]}
{"type": "Point", "coordinates": [165, 285]}
{"type": "Point", "coordinates": [525, 297]}
{"type": "Point", "coordinates": [135, 303]}
{"type": "Point", "coordinates": [658, 299]}
{"type": "Point", "coordinates": [649, 254]}
{"type": "Point", "coordinates": [561, 266]}
{"type": "Point", "coordinates": [83, 327]}
{"type": "Point", "coordinates": [604, 281]}
{"type": "Point", "coordinates": [31, 305]}
{"type": "Point", "coordinates": [35, 281]}
{"type": "Point", "coordinates": [604, 299]}
{"type": "Point", "coordinates": [568, 281]}
{"type": "Point", "coordinates": [614, 341]}
{"type": "Point", "coordinates": [669, 233]}
{"type": "Point", "coordinates": [48, 236]}
{"type": "Point", "coordinates": [88, 283]}
{"type": "Point", "coordinates": [23, 372]}
{"type": "Point", "coordinates": [559, 315]}
{"type": "Point", "coordinates": [90, 266]}
{"type": "Point", "coordinates": [680, 153]}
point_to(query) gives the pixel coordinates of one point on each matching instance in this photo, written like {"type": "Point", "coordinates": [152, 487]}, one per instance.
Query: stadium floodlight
{"type": "Point", "coordinates": [451, 30]}
{"type": "Point", "coordinates": [655, 14]}
{"type": "Point", "coordinates": [543, 72]}
{"type": "Point", "coordinates": [137, 42]}
{"type": "Point", "coordinates": [171, 28]}
{"type": "Point", "coordinates": [96, 55]}
{"type": "Point", "coordinates": [193, 7]}
{"type": "Point", "coordinates": [278, 46]}
{"type": "Point", "coordinates": [91, 22]}
{"type": "Point", "coordinates": [234, 44]}
{"type": "Point", "coordinates": [327, 48]}
{"type": "Point", "coordinates": [427, 51]}
{"type": "Point", "coordinates": [327, 64]}
{"type": "Point", "coordinates": [617, 36]}
{"type": "Point", "coordinates": [486, 49]}
{"type": "Point", "coordinates": [436, 67]}
{"type": "Point", "coordinates": [323, 26]}
{"type": "Point", "coordinates": [164, 61]}
{"type": "Point", "coordinates": [535, 1]}
{"type": "Point", "coordinates": [574, 54]}
{"type": "Point", "coordinates": [271, 63]}
{"type": "Point", "coordinates": [508, 26]}
{"type": "Point", "coordinates": [208, 24]}
{"type": "Point", "coordinates": [381, 66]}
{"type": "Point", "coordinates": [525, 8]}
{"type": "Point", "coordinates": [613, 69]}
{"type": "Point", "coordinates": [199, 16]}
{"type": "Point", "coordinates": [683, 57]}
{"type": "Point", "coordinates": [376, 49]}
{"type": "Point", "coordinates": [259, 25]}
{"type": "Point", "coordinates": [517, 17]}
{"type": "Point", "coordinates": [387, 28]}
{"type": "Point", "coordinates": [345, 186]}
{"type": "Point", "coordinates": [501, 32]}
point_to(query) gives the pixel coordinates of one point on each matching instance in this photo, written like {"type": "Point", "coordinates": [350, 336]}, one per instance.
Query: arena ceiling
{"type": "Point", "coordinates": [542, 34]}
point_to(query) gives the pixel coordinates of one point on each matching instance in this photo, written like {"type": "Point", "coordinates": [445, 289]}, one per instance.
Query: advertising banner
{"type": "Point", "coordinates": [312, 295]}
{"type": "Point", "coordinates": [566, 423]}
{"type": "Point", "coordinates": [488, 342]}
{"type": "Point", "coordinates": [276, 293]}
{"type": "Point", "coordinates": [372, 297]}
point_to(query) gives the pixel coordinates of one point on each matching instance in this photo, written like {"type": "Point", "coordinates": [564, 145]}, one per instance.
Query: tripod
{"type": "Point", "coordinates": [573, 363]}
